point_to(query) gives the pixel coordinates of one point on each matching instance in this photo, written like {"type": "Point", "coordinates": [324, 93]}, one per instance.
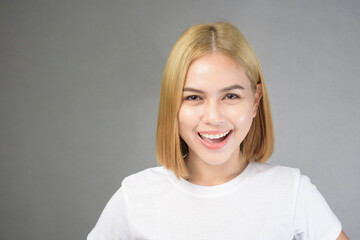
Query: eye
{"type": "Point", "coordinates": [231, 96]}
{"type": "Point", "coordinates": [192, 98]}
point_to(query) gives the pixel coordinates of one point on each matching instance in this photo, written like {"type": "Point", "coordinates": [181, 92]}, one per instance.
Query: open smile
{"type": "Point", "coordinates": [214, 139]}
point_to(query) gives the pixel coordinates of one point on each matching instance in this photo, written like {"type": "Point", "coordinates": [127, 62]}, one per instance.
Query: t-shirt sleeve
{"type": "Point", "coordinates": [314, 219]}
{"type": "Point", "coordinates": [113, 223]}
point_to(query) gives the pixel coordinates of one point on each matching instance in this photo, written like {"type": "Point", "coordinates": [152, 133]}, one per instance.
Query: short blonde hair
{"type": "Point", "coordinates": [197, 41]}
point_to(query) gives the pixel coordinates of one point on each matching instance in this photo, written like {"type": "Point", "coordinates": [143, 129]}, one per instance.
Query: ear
{"type": "Point", "coordinates": [257, 98]}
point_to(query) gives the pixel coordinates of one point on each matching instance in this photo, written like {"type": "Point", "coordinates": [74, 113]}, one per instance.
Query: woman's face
{"type": "Point", "coordinates": [217, 108]}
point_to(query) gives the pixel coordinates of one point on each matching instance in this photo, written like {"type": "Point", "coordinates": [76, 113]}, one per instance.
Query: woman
{"type": "Point", "coordinates": [214, 134]}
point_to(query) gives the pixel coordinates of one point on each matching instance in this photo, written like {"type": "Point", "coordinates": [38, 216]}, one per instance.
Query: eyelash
{"type": "Point", "coordinates": [196, 97]}
{"type": "Point", "coordinates": [191, 98]}
{"type": "Point", "coordinates": [233, 96]}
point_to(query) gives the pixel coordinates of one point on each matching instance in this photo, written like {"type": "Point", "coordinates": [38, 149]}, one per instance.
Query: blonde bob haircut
{"type": "Point", "coordinates": [197, 41]}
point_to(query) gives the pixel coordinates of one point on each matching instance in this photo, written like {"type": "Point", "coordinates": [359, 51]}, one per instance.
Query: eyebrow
{"type": "Point", "coordinates": [235, 86]}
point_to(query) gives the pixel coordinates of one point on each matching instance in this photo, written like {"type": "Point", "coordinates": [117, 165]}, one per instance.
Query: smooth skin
{"type": "Point", "coordinates": [342, 236]}
{"type": "Point", "coordinates": [217, 96]}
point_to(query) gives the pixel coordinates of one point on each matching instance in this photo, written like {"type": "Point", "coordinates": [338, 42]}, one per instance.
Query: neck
{"type": "Point", "coordinates": [201, 173]}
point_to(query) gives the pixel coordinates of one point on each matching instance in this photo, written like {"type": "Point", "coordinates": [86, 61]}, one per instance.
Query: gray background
{"type": "Point", "coordinates": [79, 92]}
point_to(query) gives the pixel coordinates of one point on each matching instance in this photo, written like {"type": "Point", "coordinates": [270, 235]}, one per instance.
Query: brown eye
{"type": "Point", "coordinates": [193, 98]}
{"type": "Point", "coordinates": [232, 96]}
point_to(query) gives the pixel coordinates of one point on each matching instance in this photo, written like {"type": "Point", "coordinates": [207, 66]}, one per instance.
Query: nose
{"type": "Point", "coordinates": [213, 113]}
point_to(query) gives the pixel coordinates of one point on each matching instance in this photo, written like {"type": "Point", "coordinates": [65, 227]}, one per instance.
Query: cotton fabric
{"type": "Point", "coordinates": [263, 202]}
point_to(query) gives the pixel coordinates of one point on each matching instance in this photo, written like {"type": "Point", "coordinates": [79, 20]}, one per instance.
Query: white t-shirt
{"type": "Point", "coordinates": [263, 202]}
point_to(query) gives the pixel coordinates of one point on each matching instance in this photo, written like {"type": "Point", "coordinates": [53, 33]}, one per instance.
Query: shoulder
{"type": "Point", "coordinates": [276, 180]}
{"type": "Point", "coordinates": [276, 173]}
{"type": "Point", "coordinates": [147, 180]}
{"type": "Point", "coordinates": [146, 176]}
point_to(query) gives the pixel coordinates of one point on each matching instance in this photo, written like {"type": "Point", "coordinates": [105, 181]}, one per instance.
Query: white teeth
{"type": "Point", "coordinates": [214, 136]}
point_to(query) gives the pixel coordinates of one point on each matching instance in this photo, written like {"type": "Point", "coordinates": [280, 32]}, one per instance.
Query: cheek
{"type": "Point", "coordinates": [187, 119]}
{"type": "Point", "coordinates": [242, 116]}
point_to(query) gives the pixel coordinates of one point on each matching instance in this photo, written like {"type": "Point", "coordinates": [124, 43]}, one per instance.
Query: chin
{"type": "Point", "coordinates": [214, 160]}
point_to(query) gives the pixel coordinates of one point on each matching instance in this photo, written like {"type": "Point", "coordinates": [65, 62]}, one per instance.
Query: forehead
{"type": "Point", "coordinates": [215, 70]}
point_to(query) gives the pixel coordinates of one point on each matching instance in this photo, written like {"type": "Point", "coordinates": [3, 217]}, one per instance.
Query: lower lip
{"type": "Point", "coordinates": [215, 146]}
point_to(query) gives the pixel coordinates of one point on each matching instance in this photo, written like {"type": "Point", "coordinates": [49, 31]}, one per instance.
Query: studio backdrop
{"type": "Point", "coordinates": [79, 93]}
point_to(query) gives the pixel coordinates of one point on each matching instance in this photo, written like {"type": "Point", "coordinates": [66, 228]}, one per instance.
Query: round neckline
{"type": "Point", "coordinates": [212, 191]}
